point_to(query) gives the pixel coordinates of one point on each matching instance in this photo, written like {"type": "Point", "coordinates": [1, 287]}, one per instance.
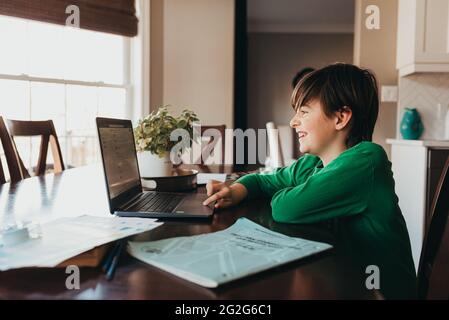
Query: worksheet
{"type": "Point", "coordinates": [65, 238]}
{"type": "Point", "coordinates": [216, 258]}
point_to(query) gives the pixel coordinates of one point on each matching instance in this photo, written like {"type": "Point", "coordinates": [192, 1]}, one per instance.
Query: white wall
{"type": "Point", "coordinates": [156, 53]}
{"type": "Point", "coordinates": [424, 91]}
{"type": "Point", "coordinates": [376, 50]}
{"type": "Point", "coordinates": [198, 58]}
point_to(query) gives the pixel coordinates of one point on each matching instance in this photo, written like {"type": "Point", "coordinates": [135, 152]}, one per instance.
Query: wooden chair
{"type": "Point", "coordinates": [2, 174]}
{"type": "Point", "coordinates": [10, 155]}
{"type": "Point", "coordinates": [211, 144]}
{"type": "Point", "coordinates": [433, 277]}
{"type": "Point", "coordinates": [46, 130]}
{"type": "Point", "coordinates": [281, 145]}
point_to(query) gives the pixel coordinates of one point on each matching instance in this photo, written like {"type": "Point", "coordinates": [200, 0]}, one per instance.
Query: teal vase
{"type": "Point", "coordinates": [411, 124]}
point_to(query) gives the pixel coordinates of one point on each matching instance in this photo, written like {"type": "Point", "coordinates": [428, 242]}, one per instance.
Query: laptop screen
{"type": "Point", "coordinates": [119, 158]}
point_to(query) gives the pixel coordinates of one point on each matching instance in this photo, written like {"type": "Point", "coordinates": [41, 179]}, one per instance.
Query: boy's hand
{"type": "Point", "coordinates": [224, 195]}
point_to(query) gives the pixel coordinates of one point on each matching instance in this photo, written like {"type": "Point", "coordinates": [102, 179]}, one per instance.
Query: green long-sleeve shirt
{"type": "Point", "coordinates": [356, 189]}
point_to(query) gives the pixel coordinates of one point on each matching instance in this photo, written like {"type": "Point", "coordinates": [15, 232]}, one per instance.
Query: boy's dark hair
{"type": "Point", "coordinates": [343, 85]}
{"type": "Point", "coordinates": [300, 74]}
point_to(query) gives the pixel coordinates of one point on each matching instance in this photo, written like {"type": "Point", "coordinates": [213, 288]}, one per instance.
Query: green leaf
{"type": "Point", "coordinates": [152, 132]}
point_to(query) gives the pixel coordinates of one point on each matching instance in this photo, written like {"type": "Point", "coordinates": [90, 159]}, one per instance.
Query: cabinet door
{"type": "Point", "coordinates": [436, 160]}
{"type": "Point", "coordinates": [432, 31]}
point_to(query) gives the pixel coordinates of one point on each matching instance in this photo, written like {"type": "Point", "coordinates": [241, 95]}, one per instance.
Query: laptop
{"type": "Point", "coordinates": [123, 184]}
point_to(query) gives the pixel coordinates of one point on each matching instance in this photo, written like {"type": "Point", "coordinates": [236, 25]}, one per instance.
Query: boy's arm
{"type": "Point", "coordinates": [267, 185]}
{"type": "Point", "coordinates": [334, 192]}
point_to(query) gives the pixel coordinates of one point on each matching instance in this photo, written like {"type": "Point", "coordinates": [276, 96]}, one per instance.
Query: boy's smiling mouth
{"type": "Point", "coordinates": [301, 134]}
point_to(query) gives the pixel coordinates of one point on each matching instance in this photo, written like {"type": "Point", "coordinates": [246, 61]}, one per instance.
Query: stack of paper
{"type": "Point", "coordinates": [67, 237]}
{"type": "Point", "coordinates": [215, 258]}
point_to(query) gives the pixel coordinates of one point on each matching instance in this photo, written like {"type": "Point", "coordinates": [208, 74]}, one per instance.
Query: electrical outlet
{"type": "Point", "coordinates": [389, 94]}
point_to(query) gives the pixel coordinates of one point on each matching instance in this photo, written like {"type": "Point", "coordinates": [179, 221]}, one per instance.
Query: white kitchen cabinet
{"type": "Point", "coordinates": [423, 36]}
{"type": "Point", "coordinates": [417, 166]}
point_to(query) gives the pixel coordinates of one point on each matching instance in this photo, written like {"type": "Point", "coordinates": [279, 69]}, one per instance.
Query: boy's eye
{"type": "Point", "coordinates": [302, 112]}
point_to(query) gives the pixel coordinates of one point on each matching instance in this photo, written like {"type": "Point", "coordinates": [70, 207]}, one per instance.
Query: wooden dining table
{"type": "Point", "coordinates": [82, 191]}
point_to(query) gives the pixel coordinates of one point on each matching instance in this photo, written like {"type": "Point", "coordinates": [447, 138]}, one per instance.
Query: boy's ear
{"type": "Point", "coordinates": [343, 117]}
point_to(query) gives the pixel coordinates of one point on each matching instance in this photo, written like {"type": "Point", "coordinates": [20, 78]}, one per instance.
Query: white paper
{"type": "Point", "coordinates": [203, 178]}
{"type": "Point", "coordinates": [65, 238]}
{"type": "Point", "coordinates": [216, 258]}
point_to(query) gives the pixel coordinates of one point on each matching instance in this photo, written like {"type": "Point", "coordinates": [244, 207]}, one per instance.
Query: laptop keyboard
{"type": "Point", "coordinates": [157, 202]}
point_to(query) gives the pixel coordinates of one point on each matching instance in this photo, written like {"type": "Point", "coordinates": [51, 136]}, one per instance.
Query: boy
{"type": "Point", "coordinates": [343, 176]}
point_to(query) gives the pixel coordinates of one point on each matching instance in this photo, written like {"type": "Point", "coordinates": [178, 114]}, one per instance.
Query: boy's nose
{"type": "Point", "coordinates": [294, 122]}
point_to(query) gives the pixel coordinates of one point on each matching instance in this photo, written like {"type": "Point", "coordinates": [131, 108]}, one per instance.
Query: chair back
{"type": "Point", "coordinates": [281, 145]}
{"type": "Point", "coordinates": [45, 129]}
{"type": "Point", "coordinates": [274, 146]}
{"type": "Point", "coordinates": [10, 155]}
{"type": "Point", "coordinates": [433, 277]}
{"type": "Point", "coordinates": [213, 141]}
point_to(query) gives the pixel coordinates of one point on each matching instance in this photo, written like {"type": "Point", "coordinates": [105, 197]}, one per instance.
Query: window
{"type": "Point", "coordinates": [64, 74]}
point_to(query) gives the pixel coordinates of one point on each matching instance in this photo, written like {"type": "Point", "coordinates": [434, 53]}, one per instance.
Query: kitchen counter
{"type": "Point", "coordinates": [417, 166]}
{"type": "Point", "coordinates": [420, 143]}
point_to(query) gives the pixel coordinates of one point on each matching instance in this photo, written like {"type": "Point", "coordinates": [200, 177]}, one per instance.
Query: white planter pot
{"type": "Point", "coordinates": [151, 165]}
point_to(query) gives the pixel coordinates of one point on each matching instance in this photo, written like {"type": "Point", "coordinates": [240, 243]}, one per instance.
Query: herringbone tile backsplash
{"type": "Point", "coordinates": [424, 91]}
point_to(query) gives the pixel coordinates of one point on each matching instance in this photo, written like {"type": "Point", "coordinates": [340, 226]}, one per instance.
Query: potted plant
{"type": "Point", "coordinates": [153, 143]}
